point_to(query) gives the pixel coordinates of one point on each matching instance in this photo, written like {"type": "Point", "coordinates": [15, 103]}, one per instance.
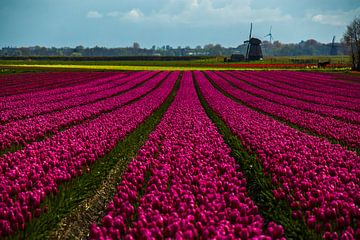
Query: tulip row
{"type": "Point", "coordinates": [34, 110]}
{"type": "Point", "coordinates": [17, 85]}
{"type": "Point", "coordinates": [289, 81]}
{"type": "Point", "coordinates": [323, 126]}
{"type": "Point", "coordinates": [27, 130]}
{"type": "Point", "coordinates": [98, 83]}
{"type": "Point", "coordinates": [263, 82]}
{"type": "Point", "coordinates": [40, 79]}
{"type": "Point", "coordinates": [29, 175]}
{"type": "Point", "coordinates": [347, 78]}
{"type": "Point", "coordinates": [319, 88]}
{"type": "Point", "coordinates": [327, 79]}
{"type": "Point", "coordinates": [185, 184]}
{"type": "Point", "coordinates": [282, 79]}
{"type": "Point", "coordinates": [327, 111]}
{"type": "Point", "coordinates": [320, 180]}
{"type": "Point", "coordinates": [14, 83]}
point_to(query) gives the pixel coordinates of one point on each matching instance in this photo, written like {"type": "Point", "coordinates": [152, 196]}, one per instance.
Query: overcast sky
{"type": "Point", "coordinates": [115, 23]}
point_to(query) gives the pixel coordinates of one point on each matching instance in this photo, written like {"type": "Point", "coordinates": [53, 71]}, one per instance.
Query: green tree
{"type": "Point", "coordinates": [136, 45]}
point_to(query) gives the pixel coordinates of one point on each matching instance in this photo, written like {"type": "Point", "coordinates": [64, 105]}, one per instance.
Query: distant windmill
{"type": "Point", "coordinates": [269, 35]}
{"type": "Point", "coordinates": [333, 50]}
{"type": "Point", "coordinates": [253, 49]}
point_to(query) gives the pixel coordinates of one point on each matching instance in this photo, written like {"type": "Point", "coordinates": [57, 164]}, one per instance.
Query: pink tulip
{"type": "Point", "coordinates": [317, 178]}
{"type": "Point", "coordinates": [38, 170]}
{"type": "Point", "coordinates": [195, 189]}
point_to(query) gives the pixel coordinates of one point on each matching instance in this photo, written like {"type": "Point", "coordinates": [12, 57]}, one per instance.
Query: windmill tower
{"type": "Point", "coordinates": [269, 35]}
{"type": "Point", "coordinates": [333, 50]}
{"type": "Point", "coordinates": [268, 46]}
{"type": "Point", "coordinates": [253, 49]}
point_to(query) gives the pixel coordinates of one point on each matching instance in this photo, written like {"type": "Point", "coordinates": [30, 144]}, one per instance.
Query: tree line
{"type": "Point", "coordinates": [309, 47]}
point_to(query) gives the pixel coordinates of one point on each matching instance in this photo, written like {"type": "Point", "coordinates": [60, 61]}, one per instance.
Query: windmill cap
{"type": "Point", "coordinates": [255, 41]}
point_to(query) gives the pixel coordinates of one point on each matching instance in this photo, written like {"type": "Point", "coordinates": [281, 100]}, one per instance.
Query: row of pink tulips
{"type": "Point", "coordinates": [28, 175]}
{"type": "Point", "coordinates": [285, 79]}
{"type": "Point", "coordinates": [34, 110]}
{"type": "Point", "coordinates": [263, 82]}
{"type": "Point", "coordinates": [339, 81]}
{"type": "Point", "coordinates": [31, 129]}
{"type": "Point", "coordinates": [328, 111]}
{"type": "Point", "coordinates": [320, 180]}
{"type": "Point", "coordinates": [323, 126]}
{"type": "Point", "coordinates": [195, 189]}
{"type": "Point", "coordinates": [96, 83]}
{"type": "Point", "coordinates": [40, 78]}
{"type": "Point", "coordinates": [17, 85]}
{"type": "Point", "coordinates": [301, 82]}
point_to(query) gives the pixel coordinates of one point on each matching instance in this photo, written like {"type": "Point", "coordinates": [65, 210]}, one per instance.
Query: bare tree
{"type": "Point", "coordinates": [352, 39]}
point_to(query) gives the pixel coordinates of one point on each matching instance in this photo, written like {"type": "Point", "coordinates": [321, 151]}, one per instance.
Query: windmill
{"type": "Point", "coordinates": [253, 49]}
{"type": "Point", "coordinates": [269, 35]}
{"type": "Point", "coordinates": [333, 50]}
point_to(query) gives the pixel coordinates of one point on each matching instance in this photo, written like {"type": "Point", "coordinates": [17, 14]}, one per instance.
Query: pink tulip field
{"type": "Point", "coordinates": [233, 154]}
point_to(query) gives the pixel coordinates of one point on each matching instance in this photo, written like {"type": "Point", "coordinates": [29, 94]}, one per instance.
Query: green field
{"type": "Point", "coordinates": [214, 63]}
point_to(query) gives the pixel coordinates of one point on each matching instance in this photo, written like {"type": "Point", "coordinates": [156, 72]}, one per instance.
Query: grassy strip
{"type": "Point", "coordinates": [16, 147]}
{"type": "Point", "coordinates": [11, 149]}
{"type": "Point", "coordinates": [342, 59]}
{"type": "Point", "coordinates": [142, 190]}
{"type": "Point", "coordinates": [299, 128]}
{"type": "Point", "coordinates": [13, 70]}
{"type": "Point", "coordinates": [205, 60]}
{"type": "Point", "coordinates": [140, 194]}
{"type": "Point", "coordinates": [84, 198]}
{"type": "Point", "coordinates": [259, 185]}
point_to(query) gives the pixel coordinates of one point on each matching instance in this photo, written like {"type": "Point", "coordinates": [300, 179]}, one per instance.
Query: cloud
{"type": "Point", "coordinates": [134, 15]}
{"type": "Point", "coordinates": [208, 13]}
{"type": "Point", "coordinates": [94, 14]}
{"type": "Point", "coordinates": [335, 18]}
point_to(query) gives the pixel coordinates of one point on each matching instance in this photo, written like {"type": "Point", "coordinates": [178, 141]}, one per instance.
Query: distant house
{"type": "Point", "coordinates": [236, 57]}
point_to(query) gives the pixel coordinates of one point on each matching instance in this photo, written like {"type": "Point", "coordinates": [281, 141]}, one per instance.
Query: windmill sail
{"type": "Point", "coordinates": [248, 42]}
{"type": "Point", "coordinates": [333, 50]}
